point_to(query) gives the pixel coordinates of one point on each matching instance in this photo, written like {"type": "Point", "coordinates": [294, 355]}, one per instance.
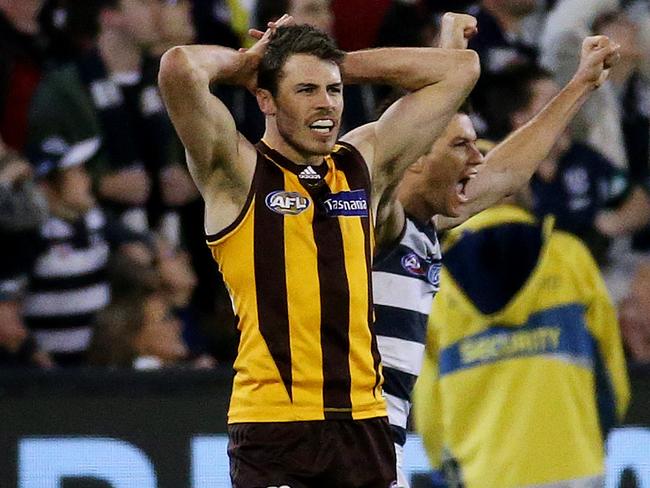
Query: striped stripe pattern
{"type": "Point", "coordinates": [405, 281]}
{"type": "Point", "coordinates": [68, 285]}
{"type": "Point", "coordinates": [297, 263]}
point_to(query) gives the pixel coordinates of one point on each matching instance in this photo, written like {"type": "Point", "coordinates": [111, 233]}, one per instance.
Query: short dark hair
{"type": "Point", "coordinates": [506, 93]}
{"type": "Point", "coordinates": [290, 40]}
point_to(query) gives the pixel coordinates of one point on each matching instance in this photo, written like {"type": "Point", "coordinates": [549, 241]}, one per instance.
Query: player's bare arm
{"type": "Point", "coordinates": [456, 30]}
{"type": "Point", "coordinates": [221, 161]}
{"type": "Point", "coordinates": [511, 164]}
{"type": "Point", "coordinates": [438, 80]}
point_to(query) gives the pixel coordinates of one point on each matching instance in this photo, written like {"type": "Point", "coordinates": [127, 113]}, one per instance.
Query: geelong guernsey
{"type": "Point", "coordinates": [405, 278]}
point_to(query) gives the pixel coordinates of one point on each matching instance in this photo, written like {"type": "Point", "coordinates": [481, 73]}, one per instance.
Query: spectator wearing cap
{"type": "Point", "coordinates": [67, 283]}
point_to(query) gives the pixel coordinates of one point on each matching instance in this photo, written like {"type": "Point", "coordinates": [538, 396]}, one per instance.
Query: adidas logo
{"type": "Point", "coordinates": [309, 174]}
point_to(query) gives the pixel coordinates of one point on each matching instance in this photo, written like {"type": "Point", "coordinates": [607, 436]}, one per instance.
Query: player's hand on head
{"type": "Point", "coordinates": [598, 55]}
{"type": "Point", "coordinates": [255, 53]}
{"type": "Point", "coordinates": [272, 27]}
{"type": "Point", "coordinates": [456, 30]}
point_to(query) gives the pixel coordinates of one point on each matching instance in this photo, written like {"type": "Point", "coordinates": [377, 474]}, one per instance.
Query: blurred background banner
{"type": "Point", "coordinates": [160, 429]}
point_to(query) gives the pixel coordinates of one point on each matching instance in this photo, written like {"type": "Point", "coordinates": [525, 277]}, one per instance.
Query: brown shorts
{"type": "Point", "coordinates": [327, 453]}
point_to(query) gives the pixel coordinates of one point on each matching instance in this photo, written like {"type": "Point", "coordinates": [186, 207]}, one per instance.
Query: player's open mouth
{"type": "Point", "coordinates": [461, 186]}
{"type": "Point", "coordinates": [322, 126]}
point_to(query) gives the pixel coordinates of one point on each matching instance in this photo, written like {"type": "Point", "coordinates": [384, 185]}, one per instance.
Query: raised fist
{"type": "Point", "coordinates": [598, 54]}
{"type": "Point", "coordinates": [456, 30]}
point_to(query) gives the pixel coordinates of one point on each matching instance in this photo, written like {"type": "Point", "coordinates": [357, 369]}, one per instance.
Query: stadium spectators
{"type": "Point", "coordinates": [502, 38]}
{"type": "Point", "coordinates": [600, 121]}
{"type": "Point", "coordinates": [143, 325]}
{"type": "Point", "coordinates": [108, 92]}
{"type": "Point", "coordinates": [67, 282]}
{"type": "Point", "coordinates": [22, 211]}
{"type": "Point", "coordinates": [139, 331]}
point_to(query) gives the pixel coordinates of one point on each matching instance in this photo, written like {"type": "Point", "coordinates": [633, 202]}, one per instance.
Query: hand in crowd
{"type": "Point", "coordinates": [14, 170]}
{"type": "Point", "coordinates": [130, 186]}
{"type": "Point", "coordinates": [456, 30]}
{"type": "Point", "coordinates": [607, 223]}
{"type": "Point", "coordinates": [176, 186]}
{"type": "Point", "coordinates": [598, 54]}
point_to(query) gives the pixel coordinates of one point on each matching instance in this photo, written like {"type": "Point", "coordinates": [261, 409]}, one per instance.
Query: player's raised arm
{"type": "Point", "coordinates": [512, 163]}
{"type": "Point", "coordinates": [439, 80]}
{"type": "Point", "coordinates": [220, 160]}
{"type": "Point", "coordinates": [203, 123]}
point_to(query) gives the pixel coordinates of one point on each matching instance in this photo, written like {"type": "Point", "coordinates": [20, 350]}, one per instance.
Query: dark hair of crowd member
{"type": "Point", "coordinates": [116, 329]}
{"type": "Point", "coordinates": [290, 40]}
{"type": "Point", "coordinates": [506, 93]}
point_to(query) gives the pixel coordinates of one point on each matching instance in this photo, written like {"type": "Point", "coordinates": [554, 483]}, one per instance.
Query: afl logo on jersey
{"type": "Point", "coordinates": [287, 202]}
{"type": "Point", "coordinates": [412, 263]}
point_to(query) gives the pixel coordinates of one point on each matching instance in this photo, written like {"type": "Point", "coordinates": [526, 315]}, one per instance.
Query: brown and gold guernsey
{"type": "Point", "coordinates": [297, 265]}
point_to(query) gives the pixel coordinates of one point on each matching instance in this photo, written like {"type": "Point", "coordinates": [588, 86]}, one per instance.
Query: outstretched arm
{"type": "Point", "coordinates": [511, 164]}
{"type": "Point", "coordinates": [438, 80]}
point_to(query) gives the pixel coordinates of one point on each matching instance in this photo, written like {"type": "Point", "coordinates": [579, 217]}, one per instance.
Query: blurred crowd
{"type": "Point", "coordinates": [104, 260]}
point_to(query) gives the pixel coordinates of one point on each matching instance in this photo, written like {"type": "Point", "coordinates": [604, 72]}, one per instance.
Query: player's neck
{"type": "Point", "coordinates": [414, 205]}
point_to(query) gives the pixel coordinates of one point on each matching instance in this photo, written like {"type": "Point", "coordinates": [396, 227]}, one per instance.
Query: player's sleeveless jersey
{"type": "Point", "coordinates": [405, 279]}
{"type": "Point", "coordinates": [297, 265]}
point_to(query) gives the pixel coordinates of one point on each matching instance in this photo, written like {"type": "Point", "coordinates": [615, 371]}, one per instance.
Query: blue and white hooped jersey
{"type": "Point", "coordinates": [405, 279]}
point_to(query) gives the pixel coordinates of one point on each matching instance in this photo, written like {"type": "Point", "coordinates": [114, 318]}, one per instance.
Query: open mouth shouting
{"type": "Point", "coordinates": [461, 186]}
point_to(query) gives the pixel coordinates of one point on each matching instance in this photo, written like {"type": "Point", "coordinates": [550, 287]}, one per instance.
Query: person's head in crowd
{"type": "Point", "coordinates": [139, 330]}
{"type": "Point", "coordinates": [317, 13]}
{"type": "Point", "coordinates": [22, 14]}
{"type": "Point", "coordinates": [133, 21]}
{"type": "Point", "coordinates": [176, 274]}
{"type": "Point", "coordinates": [22, 206]}
{"type": "Point", "coordinates": [129, 274]}
{"type": "Point", "coordinates": [59, 168]}
{"type": "Point", "coordinates": [407, 24]}
{"type": "Point", "coordinates": [508, 11]}
{"type": "Point", "coordinates": [129, 23]}
{"type": "Point", "coordinates": [512, 98]}
{"type": "Point", "coordinates": [174, 24]}
{"type": "Point", "coordinates": [634, 314]}
{"type": "Point", "coordinates": [620, 28]}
